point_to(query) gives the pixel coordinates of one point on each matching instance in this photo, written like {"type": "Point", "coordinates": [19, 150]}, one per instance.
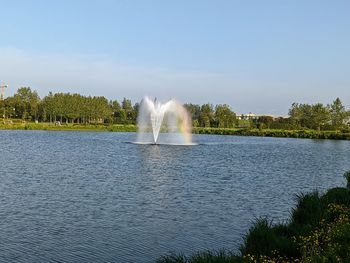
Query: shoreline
{"type": "Point", "coordinates": [302, 134]}
{"type": "Point", "coordinates": [318, 231]}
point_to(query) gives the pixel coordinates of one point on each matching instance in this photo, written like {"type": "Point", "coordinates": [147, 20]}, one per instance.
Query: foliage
{"type": "Point", "coordinates": [319, 231]}
{"type": "Point", "coordinates": [224, 116]}
{"type": "Point", "coordinates": [308, 211]}
{"type": "Point", "coordinates": [338, 114]}
{"type": "Point", "coordinates": [15, 125]}
{"type": "Point", "coordinates": [68, 108]}
{"type": "Point", "coordinates": [305, 134]}
{"type": "Point", "coordinates": [206, 117]}
{"type": "Point", "coordinates": [263, 240]}
{"type": "Point", "coordinates": [318, 116]}
{"type": "Point", "coordinates": [26, 104]}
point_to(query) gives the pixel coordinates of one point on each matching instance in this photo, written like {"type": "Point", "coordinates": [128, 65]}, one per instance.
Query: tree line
{"type": "Point", "coordinates": [68, 108]}
{"type": "Point", "coordinates": [75, 108]}
{"type": "Point", "coordinates": [320, 117]}
{"type": "Point", "coordinates": [317, 116]}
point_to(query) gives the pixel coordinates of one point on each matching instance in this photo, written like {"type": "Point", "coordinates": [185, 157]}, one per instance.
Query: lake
{"type": "Point", "coordinates": [94, 197]}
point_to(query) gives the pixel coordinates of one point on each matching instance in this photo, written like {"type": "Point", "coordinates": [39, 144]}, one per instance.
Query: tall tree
{"type": "Point", "coordinates": [320, 116]}
{"type": "Point", "coordinates": [206, 117]}
{"type": "Point", "coordinates": [224, 116]}
{"type": "Point", "coordinates": [296, 114]}
{"type": "Point", "coordinates": [128, 109]}
{"type": "Point", "coordinates": [194, 110]}
{"type": "Point", "coordinates": [264, 122]}
{"type": "Point", "coordinates": [26, 103]}
{"type": "Point", "coordinates": [338, 114]}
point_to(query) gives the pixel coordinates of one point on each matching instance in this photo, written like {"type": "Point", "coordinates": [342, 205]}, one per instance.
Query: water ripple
{"type": "Point", "coordinates": [90, 197]}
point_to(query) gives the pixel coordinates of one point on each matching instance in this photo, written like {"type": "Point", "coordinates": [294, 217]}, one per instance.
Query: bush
{"type": "Point", "coordinates": [263, 239]}
{"type": "Point", "coordinates": [305, 134]}
{"type": "Point", "coordinates": [338, 195]}
{"type": "Point", "coordinates": [309, 210]}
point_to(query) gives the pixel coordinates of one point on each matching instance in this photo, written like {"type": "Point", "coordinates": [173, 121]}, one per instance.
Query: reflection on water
{"type": "Point", "coordinates": [69, 196]}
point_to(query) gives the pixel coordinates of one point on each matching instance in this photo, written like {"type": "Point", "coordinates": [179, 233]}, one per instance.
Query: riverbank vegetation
{"type": "Point", "coordinates": [15, 124]}
{"type": "Point", "coordinates": [318, 231]}
{"type": "Point", "coordinates": [304, 134]}
{"type": "Point", "coordinates": [65, 111]}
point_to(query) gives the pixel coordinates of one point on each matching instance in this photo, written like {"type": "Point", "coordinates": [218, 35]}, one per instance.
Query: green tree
{"type": "Point", "coordinates": [224, 116]}
{"type": "Point", "coordinates": [320, 116]}
{"type": "Point", "coordinates": [306, 120]}
{"type": "Point", "coordinates": [194, 110]}
{"type": "Point", "coordinates": [296, 114]}
{"type": "Point", "coordinates": [129, 111]}
{"type": "Point", "coordinates": [263, 122]}
{"type": "Point", "coordinates": [115, 110]}
{"type": "Point", "coordinates": [206, 117]}
{"type": "Point", "coordinates": [135, 112]}
{"type": "Point", "coordinates": [26, 103]}
{"type": "Point", "coordinates": [338, 114]}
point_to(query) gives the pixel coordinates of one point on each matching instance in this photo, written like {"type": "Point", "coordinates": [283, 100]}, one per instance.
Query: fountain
{"type": "Point", "coordinates": [163, 123]}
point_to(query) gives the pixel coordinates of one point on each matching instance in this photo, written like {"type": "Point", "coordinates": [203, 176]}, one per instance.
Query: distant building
{"type": "Point", "coordinates": [253, 116]}
{"type": "Point", "coordinates": [249, 116]}
{"type": "Point", "coordinates": [2, 91]}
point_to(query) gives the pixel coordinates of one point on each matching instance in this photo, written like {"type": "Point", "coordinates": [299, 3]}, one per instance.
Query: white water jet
{"type": "Point", "coordinates": [167, 123]}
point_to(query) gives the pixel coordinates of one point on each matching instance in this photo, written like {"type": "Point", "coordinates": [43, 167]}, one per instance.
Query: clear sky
{"type": "Point", "coordinates": [256, 56]}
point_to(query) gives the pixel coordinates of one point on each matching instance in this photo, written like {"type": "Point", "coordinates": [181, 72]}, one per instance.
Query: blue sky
{"type": "Point", "coordinates": [257, 56]}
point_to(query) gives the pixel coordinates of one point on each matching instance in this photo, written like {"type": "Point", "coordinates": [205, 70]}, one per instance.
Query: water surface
{"type": "Point", "coordinates": [92, 197]}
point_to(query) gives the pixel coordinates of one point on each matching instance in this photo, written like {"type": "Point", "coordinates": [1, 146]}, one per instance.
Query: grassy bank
{"type": "Point", "coordinates": [318, 231]}
{"type": "Point", "coordinates": [309, 134]}
{"type": "Point", "coordinates": [306, 134]}
{"type": "Point", "coordinates": [19, 125]}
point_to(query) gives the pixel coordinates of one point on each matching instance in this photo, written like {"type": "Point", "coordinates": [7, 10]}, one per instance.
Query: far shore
{"type": "Point", "coordinates": [305, 134]}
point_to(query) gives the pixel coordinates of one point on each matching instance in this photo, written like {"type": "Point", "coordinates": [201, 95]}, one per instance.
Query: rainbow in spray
{"type": "Point", "coordinates": [163, 123]}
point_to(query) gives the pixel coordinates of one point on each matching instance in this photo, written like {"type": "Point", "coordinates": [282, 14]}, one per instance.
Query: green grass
{"type": "Point", "coordinates": [21, 125]}
{"type": "Point", "coordinates": [305, 134]}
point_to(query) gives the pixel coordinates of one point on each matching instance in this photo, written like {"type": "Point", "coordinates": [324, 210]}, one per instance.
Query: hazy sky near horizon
{"type": "Point", "coordinates": [256, 56]}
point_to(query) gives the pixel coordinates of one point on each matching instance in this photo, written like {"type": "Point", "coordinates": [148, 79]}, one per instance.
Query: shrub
{"type": "Point", "coordinates": [263, 239]}
{"type": "Point", "coordinates": [338, 195]}
{"type": "Point", "coordinates": [309, 210]}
